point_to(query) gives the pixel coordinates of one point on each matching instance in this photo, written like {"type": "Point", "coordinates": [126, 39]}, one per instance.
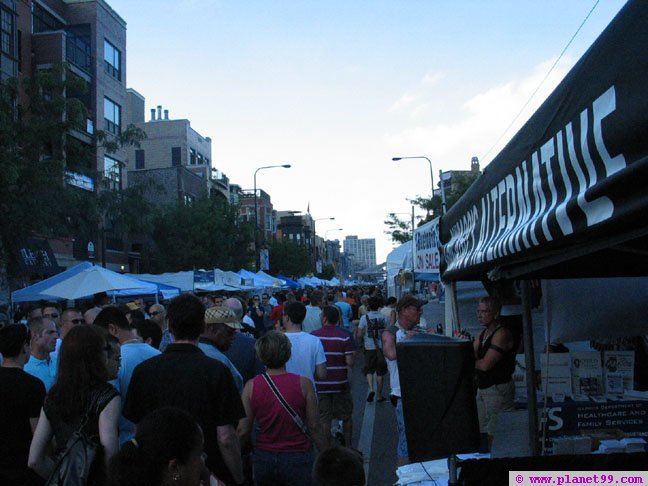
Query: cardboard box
{"type": "Point", "coordinates": [598, 435]}
{"type": "Point", "coordinates": [556, 374]}
{"type": "Point", "coordinates": [618, 363]}
{"type": "Point", "coordinates": [587, 373]}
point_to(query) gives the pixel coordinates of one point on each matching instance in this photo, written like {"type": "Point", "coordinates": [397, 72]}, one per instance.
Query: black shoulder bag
{"type": "Point", "coordinates": [74, 465]}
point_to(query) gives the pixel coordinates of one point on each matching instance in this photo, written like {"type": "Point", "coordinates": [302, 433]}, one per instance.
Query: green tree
{"type": "Point", "coordinates": [400, 230]}
{"type": "Point", "coordinates": [33, 151]}
{"type": "Point", "coordinates": [204, 234]}
{"type": "Point", "coordinates": [289, 258]}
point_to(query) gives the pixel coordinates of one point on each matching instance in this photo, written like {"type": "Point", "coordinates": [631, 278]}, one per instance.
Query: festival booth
{"type": "Point", "coordinates": [84, 280]}
{"type": "Point", "coordinates": [182, 280]}
{"type": "Point", "coordinates": [397, 266]}
{"type": "Point", "coordinates": [565, 203]}
{"type": "Point", "coordinates": [292, 284]}
{"type": "Point", "coordinates": [418, 260]}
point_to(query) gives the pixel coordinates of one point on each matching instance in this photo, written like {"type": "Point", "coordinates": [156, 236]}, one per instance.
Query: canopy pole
{"type": "Point", "coordinates": [413, 256]}
{"type": "Point", "coordinates": [451, 309]}
{"type": "Point", "coordinates": [532, 402]}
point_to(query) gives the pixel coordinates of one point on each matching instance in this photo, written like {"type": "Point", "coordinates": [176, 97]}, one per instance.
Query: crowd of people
{"type": "Point", "coordinates": [248, 391]}
{"type": "Point", "coordinates": [172, 392]}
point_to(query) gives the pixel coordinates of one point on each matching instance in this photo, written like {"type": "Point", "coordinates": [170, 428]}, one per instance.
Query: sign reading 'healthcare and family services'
{"type": "Point", "coordinates": [426, 248]}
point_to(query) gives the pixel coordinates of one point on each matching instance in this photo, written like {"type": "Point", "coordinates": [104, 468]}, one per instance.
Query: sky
{"type": "Point", "coordinates": [336, 88]}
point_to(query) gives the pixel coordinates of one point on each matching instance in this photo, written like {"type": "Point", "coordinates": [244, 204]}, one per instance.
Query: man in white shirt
{"type": "Point", "coordinates": [307, 356]}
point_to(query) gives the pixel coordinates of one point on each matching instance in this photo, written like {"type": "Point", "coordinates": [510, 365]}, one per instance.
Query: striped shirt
{"type": "Point", "coordinates": [337, 345]}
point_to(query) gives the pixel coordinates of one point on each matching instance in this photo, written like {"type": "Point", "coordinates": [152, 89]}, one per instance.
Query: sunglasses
{"type": "Point", "coordinates": [53, 315]}
{"type": "Point", "coordinates": [155, 313]}
{"type": "Point", "coordinates": [75, 321]}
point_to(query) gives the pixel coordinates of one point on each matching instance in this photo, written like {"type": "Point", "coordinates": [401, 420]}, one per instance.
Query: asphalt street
{"type": "Point", "coordinates": [374, 424]}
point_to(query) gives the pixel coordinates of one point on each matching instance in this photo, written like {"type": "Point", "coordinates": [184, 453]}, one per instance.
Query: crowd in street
{"type": "Point", "coordinates": [248, 391]}
{"type": "Point", "coordinates": [205, 387]}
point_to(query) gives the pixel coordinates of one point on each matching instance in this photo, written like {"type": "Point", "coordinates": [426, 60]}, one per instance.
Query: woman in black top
{"type": "Point", "coordinates": [81, 390]}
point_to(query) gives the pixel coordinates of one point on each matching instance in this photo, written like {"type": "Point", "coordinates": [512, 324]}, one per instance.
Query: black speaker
{"type": "Point", "coordinates": [436, 380]}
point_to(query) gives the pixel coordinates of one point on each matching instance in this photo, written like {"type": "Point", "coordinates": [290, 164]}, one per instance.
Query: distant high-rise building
{"type": "Point", "coordinates": [361, 251]}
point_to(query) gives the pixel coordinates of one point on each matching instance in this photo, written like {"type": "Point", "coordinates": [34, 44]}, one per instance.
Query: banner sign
{"type": "Point", "coordinates": [426, 248]}
{"type": "Point", "coordinates": [576, 170]}
{"type": "Point", "coordinates": [203, 276]}
{"type": "Point", "coordinates": [264, 258]}
{"type": "Point", "coordinates": [573, 417]}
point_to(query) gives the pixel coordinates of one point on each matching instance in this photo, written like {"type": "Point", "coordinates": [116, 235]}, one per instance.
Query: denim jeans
{"type": "Point", "coordinates": [401, 449]}
{"type": "Point", "coordinates": [282, 468]}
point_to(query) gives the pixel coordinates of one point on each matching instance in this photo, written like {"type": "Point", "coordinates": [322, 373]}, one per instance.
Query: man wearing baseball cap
{"type": "Point", "coordinates": [409, 310]}
{"type": "Point", "coordinates": [221, 324]}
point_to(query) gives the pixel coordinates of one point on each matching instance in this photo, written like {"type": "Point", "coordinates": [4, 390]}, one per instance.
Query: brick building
{"type": "Point", "coordinates": [173, 156]}
{"type": "Point", "coordinates": [89, 38]}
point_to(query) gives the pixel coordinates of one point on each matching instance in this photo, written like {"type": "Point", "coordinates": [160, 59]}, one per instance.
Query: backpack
{"type": "Point", "coordinates": [375, 327]}
{"type": "Point", "coordinates": [75, 464]}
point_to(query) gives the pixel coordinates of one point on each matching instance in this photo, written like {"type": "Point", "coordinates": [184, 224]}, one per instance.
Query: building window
{"type": "Point", "coordinates": [43, 21]}
{"type": "Point", "coordinates": [112, 172]}
{"type": "Point", "coordinates": [192, 156]}
{"type": "Point", "coordinates": [8, 44]}
{"type": "Point", "coordinates": [77, 50]}
{"type": "Point", "coordinates": [176, 156]}
{"type": "Point", "coordinates": [139, 159]}
{"type": "Point", "coordinates": [112, 60]}
{"type": "Point", "coordinates": [112, 116]}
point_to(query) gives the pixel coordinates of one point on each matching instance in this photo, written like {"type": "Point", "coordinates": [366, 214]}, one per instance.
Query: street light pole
{"type": "Point", "coordinates": [444, 206]}
{"type": "Point", "coordinates": [329, 230]}
{"type": "Point", "coordinates": [396, 159]}
{"type": "Point", "coordinates": [256, 213]}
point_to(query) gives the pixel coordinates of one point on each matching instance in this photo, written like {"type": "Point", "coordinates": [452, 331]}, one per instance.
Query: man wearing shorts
{"type": "Point", "coordinates": [334, 392]}
{"type": "Point", "coordinates": [494, 364]}
{"type": "Point", "coordinates": [370, 329]}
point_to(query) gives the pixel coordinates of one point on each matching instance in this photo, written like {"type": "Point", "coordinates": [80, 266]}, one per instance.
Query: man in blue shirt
{"type": "Point", "coordinates": [345, 309]}
{"type": "Point", "coordinates": [43, 342]}
{"type": "Point", "coordinates": [133, 352]}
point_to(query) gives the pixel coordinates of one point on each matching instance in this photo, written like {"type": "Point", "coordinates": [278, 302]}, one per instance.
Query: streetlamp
{"type": "Point", "coordinates": [256, 212]}
{"type": "Point", "coordinates": [396, 159]}
{"type": "Point", "coordinates": [444, 206]}
{"type": "Point", "coordinates": [329, 230]}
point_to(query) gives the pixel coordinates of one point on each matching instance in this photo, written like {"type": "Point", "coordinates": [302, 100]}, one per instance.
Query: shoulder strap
{"type": "Point", "coordinates": [296, 418]}
{"type": "Point", "coordinates": [91, 406]}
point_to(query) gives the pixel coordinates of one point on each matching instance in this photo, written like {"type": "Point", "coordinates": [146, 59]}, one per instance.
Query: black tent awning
{"type": "Point", "coordinates": [568, 195]}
